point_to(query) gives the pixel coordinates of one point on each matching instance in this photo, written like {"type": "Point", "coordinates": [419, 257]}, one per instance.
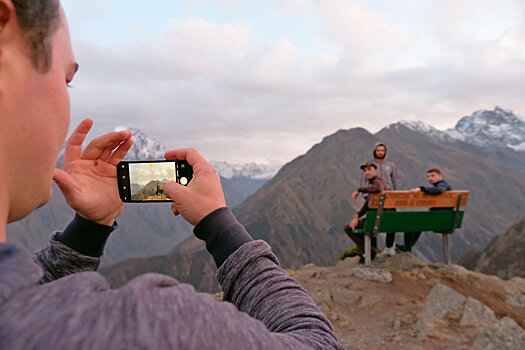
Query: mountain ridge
{"type": "Point", "coordinates": [498, 128]}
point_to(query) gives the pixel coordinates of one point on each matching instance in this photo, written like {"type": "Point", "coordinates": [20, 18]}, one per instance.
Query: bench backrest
{"type": "Point", "coordinates": [407, 199]}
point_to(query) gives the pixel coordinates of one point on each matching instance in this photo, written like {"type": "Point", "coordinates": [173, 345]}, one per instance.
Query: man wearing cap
{"type": "Point", "coordinates": [386, 171]}
{"type": "Point", "coordinates": [374, 185]}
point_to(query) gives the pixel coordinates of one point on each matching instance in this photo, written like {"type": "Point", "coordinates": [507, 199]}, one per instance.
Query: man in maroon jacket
{"type": "Point", "coordinates": [374, 185]}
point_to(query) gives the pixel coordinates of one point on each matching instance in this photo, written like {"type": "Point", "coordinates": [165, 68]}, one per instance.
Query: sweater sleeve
{"type": "Point", "coordinates": [374, 187]}
{"type": "Point", "coordinates": [78, 248]}
{"type": "Point", "coordinates": [396, 180]}
{"type": "Point", "coordinates": [252, 280]}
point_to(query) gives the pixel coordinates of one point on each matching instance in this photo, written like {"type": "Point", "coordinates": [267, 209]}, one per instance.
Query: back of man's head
{"type": "Point", "coordinates": [38, 19]}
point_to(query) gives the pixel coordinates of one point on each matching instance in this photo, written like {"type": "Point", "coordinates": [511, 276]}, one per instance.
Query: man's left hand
{"type": "Point", "coordinates": [88, 178]}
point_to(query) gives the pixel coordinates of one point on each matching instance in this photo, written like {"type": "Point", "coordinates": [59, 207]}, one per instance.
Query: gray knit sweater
{"type": "Point", "coordinates": [264, 308]}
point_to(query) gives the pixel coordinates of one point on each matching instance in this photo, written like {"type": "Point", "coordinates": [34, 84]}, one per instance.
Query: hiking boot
{"type": "Point", "coordinates": [390, 251]}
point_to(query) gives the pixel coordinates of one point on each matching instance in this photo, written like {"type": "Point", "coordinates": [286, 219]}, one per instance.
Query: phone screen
{"type": "Point", "coordinates": [145, 181]}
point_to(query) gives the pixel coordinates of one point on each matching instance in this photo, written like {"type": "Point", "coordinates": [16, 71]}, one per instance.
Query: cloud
{"type": "Point", "coordinates": [236, 97]}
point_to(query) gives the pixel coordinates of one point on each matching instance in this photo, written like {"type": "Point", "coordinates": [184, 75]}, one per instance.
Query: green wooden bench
{"type": "Point", "coordinates": [417, 220]}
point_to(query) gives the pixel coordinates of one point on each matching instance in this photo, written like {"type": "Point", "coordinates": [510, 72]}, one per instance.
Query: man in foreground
{"type": "Point", "coordinates": [438, 186]}
{"type": "Point", "coordinates": [374, 185]}
{"type": "Point", "coordinates": [57, 301]}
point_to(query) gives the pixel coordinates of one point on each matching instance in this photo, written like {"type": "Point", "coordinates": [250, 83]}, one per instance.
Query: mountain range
{"type": "Point", "coordinates": [301, 211]}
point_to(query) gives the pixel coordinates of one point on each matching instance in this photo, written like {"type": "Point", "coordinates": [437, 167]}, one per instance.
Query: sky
{"type": "Point", "coordinates": [264, 80]}
{"type": "Point", "coordinates": [143, 174]}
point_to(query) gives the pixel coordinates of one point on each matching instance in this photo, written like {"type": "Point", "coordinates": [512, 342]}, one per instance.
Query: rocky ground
{"type": "Point", "coordinates": [403, 303]}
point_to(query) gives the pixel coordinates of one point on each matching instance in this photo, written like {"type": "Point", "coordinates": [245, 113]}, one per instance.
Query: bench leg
{"type": "Point", "coordinates": [368, 250]}
{"type": "Point", "coordinates": [446, 249]}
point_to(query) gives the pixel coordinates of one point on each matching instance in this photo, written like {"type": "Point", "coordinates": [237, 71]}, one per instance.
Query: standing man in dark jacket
{"type": "Point", "coordinates": [55, 300]}
{"type": "Point", "coordinates": [387, 171]}
{"type": "Point", "coordinates": [438, 186]}
{"type": "Point", "coordinates": [374, 185]}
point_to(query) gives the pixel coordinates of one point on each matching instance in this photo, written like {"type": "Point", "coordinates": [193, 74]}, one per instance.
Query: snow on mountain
{"type": "Point", "coordinates": [250, 170]}
{"type": "Point", "coordinates": [483, 128]}
{"type": "Point", "coordinates": [427, 129]}
{"type": "Point", "coordinates": [145, 147]}
{"type": "Point", "coordinates": [497, 128]}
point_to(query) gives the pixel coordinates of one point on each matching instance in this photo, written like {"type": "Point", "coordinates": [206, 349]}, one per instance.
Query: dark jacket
{"type": "Point", "coordinates": [436, 188]}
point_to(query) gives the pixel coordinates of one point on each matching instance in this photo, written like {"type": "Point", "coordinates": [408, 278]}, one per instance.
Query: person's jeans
{"type": "Point", "coordinates": [410, 239]}
{"type": "Point", "coordinates": [359, 239]}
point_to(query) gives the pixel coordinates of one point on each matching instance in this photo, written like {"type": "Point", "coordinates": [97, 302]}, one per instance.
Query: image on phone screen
{"type": "Point", "coordinates": [145, 181]}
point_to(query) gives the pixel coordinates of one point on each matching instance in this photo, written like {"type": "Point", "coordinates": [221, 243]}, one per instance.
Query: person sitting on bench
{"type": "Point", "coordinates": [435, 178]}
{"type": "Point", "coordinates": [375, 185]}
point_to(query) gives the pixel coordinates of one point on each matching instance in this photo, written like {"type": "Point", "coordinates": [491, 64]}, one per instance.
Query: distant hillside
{"type": "Point", "coordinates": [148, 190]}
{"type": "Point", "coordinates": [504, 256]}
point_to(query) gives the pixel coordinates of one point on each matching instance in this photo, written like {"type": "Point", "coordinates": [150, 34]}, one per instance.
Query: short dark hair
{"type": "Point", "coordinates": [434, 170]}
{"type": "Point", "coordinates": [38, 19]}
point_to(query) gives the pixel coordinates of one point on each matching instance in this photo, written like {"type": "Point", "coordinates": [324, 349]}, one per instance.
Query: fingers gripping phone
{"type": "Point", "coordinates": [143, 181]}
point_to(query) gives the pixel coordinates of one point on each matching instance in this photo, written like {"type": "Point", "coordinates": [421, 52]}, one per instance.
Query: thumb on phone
{"type": "Point", "coordinates": [174, 190]}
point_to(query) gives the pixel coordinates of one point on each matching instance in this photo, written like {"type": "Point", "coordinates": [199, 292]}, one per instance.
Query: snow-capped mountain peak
{"type": "Point", "coordinates": [144, 147]}
{"type": "Point", "coordinates": [424, 129]}
{"type": "Point", "coordinates": [250, 170]}
{"type": "Point", "coordinates": [496, 128]}
{"type": "Point", "coordinates": [500, 127]}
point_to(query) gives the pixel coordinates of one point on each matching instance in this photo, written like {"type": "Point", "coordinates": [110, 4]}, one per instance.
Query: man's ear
{"type": "Point", "coordinates": [7, 10]}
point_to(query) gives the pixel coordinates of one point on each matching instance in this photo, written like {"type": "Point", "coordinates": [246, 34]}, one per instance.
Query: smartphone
{"type": "Point", "coordinates": [143, 181]}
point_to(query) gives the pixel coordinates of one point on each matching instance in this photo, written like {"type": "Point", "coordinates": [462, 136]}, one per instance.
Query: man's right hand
{"type": "Point", "coordinates": [204, 192]}
{"type": "Point", "coordinates": [355, 195]}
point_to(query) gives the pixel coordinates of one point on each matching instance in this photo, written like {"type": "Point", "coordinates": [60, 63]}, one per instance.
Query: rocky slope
{"type": "Point", "coordinates": [403, 303]}
{"type": "Point", "coordinates": [504, 256]}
